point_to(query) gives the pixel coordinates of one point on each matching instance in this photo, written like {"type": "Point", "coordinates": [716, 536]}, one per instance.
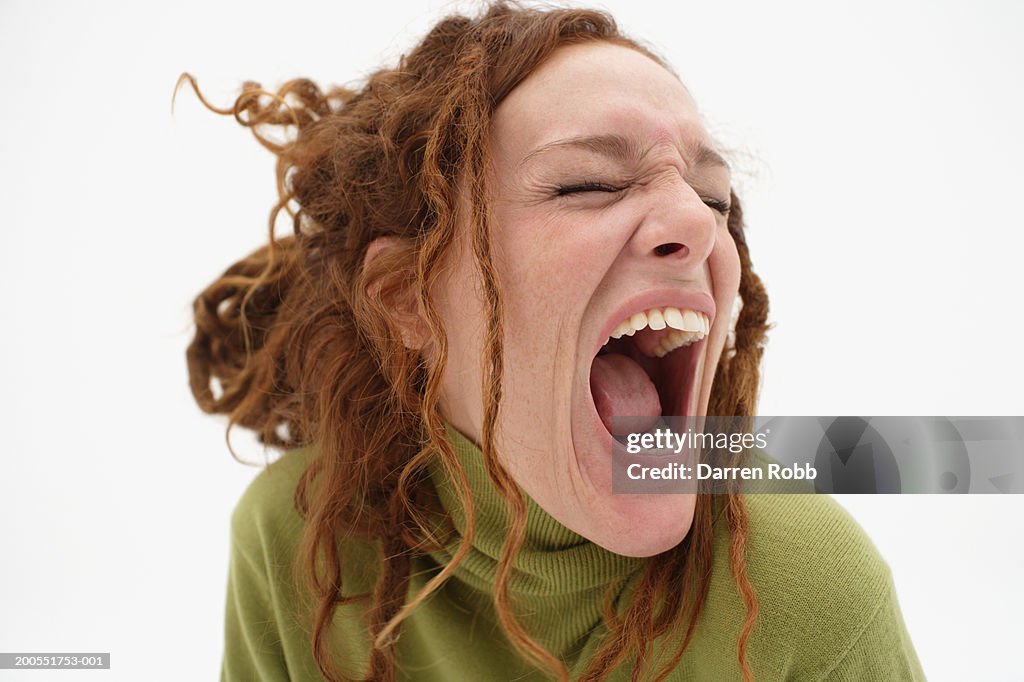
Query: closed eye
{"type": "Point", "coordinates": [717, 205]}
{"type": "Point", "coordinates": [564, 190]}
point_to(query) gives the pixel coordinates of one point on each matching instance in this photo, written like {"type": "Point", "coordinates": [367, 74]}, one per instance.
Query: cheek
{"type": "Point", "coordinates": [725, 270]}
{"type": "Point", "coordinates": [537, 264]}
{"type": "Point", "coordinates": [548, 270]}
{"type": "Point", "coordinates": [460, 305]}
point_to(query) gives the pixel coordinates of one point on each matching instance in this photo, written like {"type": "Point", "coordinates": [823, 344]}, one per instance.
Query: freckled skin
{"type": "Point", "coordinates": [566, 263]}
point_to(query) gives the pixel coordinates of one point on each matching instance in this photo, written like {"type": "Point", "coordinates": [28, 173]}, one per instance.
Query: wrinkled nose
{"type": "Point", "coordinates": [677, 226]}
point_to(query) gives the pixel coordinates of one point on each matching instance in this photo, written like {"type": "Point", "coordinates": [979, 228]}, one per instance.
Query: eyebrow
{"type": "Point", "coordinates": [623, 148]}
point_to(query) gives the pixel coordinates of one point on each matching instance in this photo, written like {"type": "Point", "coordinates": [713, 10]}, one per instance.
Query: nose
{"type": "Point", "coordinates": [677, 225]}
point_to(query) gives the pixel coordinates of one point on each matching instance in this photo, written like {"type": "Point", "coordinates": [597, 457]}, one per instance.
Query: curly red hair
{"type": "Point", "coordinates": [300, 341]}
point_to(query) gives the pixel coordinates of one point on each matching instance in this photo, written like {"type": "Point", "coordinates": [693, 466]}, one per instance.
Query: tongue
{"type": "Point", "coordinates": [622, 388]}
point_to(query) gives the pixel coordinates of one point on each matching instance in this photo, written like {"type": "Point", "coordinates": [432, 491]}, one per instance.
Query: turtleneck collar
{"type": "Point", "coordinates": [557, 571]}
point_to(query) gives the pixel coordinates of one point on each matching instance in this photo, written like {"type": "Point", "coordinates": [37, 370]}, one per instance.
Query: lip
{"type": "Point", "coordinates": [693, 300]}
{"type": "Point", "coordinates": [622, 459]}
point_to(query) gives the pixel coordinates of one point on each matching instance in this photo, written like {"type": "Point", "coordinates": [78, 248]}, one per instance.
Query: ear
{"type": "Point", "coordinates": [390, 256]}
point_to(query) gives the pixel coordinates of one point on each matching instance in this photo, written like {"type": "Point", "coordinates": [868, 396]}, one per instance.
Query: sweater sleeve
{"type": "Point", "coordinates": [252, 642]}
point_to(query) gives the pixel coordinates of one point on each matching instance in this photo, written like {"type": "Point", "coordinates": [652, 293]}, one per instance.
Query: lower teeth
{"type": "Point", "coordinates": [677, 339]}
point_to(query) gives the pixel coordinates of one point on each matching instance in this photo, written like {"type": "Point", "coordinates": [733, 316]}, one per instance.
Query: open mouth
{"type": "Point", "coordinates": [647, 369]}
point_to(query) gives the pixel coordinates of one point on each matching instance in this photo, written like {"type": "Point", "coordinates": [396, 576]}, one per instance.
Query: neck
{"type": "Point", "coordinates": [560, 577]}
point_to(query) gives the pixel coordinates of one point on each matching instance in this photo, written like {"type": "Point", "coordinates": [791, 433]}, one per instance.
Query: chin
{"type": "Point", "coordinates": [648, 527]}
{"type": "Point", "coordinates": [638, 525]}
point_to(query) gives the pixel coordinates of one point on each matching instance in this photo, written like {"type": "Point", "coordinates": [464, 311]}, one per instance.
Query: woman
{"type": "Point", "coordinates": [433, 347]}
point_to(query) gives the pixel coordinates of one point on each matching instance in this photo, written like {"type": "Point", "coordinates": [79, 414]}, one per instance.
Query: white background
{"type": "Point", "coordinates": [879, 150]}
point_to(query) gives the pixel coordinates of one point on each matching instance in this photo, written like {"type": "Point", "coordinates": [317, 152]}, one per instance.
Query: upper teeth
{"type": "Point", "coordinates": [688, 326]}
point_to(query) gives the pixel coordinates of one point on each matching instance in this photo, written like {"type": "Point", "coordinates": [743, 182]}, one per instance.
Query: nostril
{"type": "Point", "coordinates": [668, 249]}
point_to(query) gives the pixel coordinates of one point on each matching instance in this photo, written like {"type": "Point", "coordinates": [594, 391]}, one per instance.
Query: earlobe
{"type": "Point", "coordinates": [384, 264]}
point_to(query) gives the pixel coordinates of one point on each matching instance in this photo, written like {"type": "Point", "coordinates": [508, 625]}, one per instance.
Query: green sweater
{"type": "Point", "coordinates": [828, 608]}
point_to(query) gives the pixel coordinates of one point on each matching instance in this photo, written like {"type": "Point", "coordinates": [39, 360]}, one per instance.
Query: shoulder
{"type": "Point", "coordinates": [824, 591]}
{"type": "Point", "coordinates": [270, 611]}
{"type": "Point", "coordinates": [265, 515]}
{"type": "Point", "coordinates": [807, 544]}
{"type": "Point", "coordinates": [266, 528]}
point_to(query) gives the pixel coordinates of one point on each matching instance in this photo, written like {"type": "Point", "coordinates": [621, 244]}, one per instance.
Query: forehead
{"type": "Point", "coordinates": [595, 89]}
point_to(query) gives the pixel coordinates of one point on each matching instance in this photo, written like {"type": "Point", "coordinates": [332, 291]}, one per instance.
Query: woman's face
{"type": "Point", "coordinates": [604, 192]}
